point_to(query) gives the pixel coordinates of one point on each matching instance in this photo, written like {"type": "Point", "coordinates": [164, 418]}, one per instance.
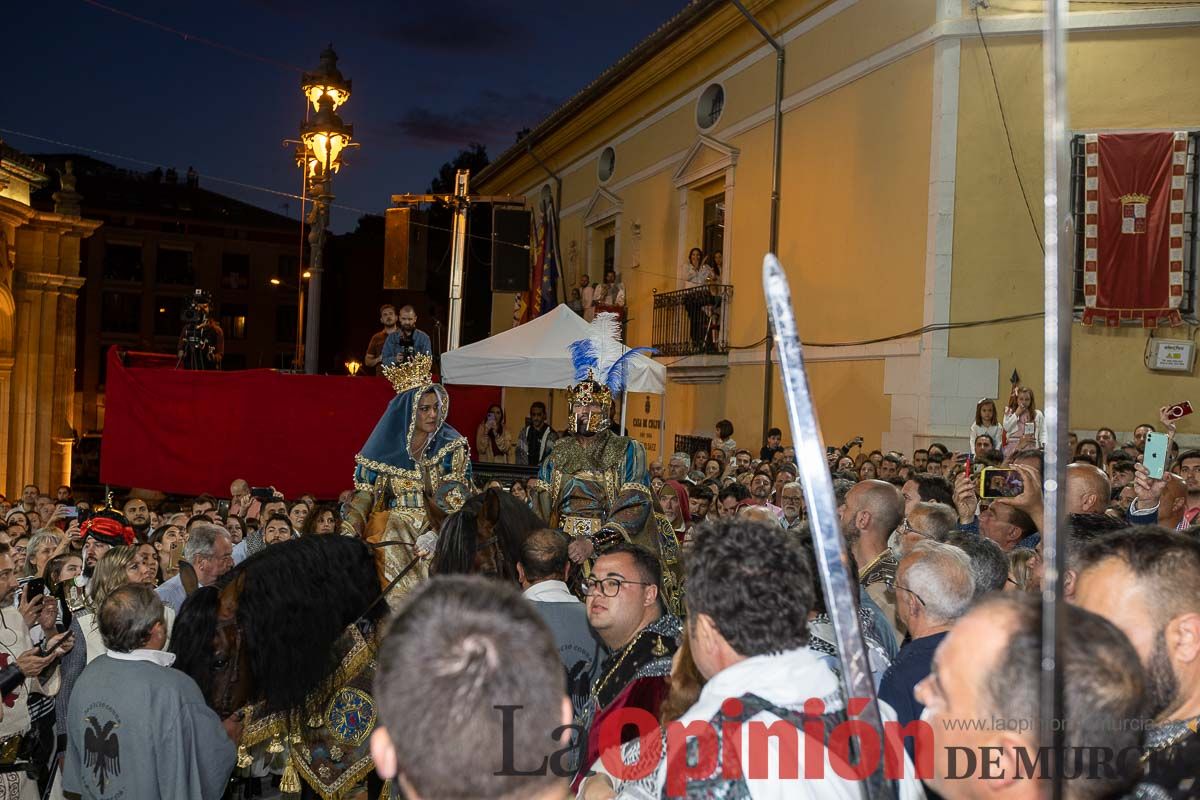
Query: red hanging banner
{"type": "Point", "coordinates": [1133, 251]}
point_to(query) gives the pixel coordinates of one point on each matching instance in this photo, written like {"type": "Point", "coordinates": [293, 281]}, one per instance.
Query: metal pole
{"type": "Point", "coordinates": [459, 252]}
{"type": "Point", "coordinates": [316, 240]}
{"type": "Point", "coordinates": [1058, 295]}
{"type": "Point", "coordinates": [298, 360]}
{"type": "Point", "coordinates": [776, 168]}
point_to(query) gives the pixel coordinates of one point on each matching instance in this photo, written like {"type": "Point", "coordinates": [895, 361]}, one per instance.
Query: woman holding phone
{"type": "Point", "coordinates": [1024, 425]}
{"type": "Point", "coordinates": [492, 443]}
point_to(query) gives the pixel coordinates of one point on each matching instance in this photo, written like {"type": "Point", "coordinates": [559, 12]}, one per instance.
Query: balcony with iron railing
{"type": "Point", "coordinates": [693, 325]}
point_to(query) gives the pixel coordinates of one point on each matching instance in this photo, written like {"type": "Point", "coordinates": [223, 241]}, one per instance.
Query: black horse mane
{"type": "Point", "coordinates": [192, 635]}
{"type": "Point", "coordinates": [297, 599]}
{"type": "Point", "coordinates": [458, 539]}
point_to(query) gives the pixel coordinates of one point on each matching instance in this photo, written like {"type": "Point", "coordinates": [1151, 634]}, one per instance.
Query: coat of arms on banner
{"type": "Point", "coordinates": [1133, 213]}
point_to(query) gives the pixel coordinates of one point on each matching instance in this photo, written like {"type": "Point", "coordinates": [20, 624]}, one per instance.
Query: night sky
{"type": "Point", "coordinates": [427, 79]}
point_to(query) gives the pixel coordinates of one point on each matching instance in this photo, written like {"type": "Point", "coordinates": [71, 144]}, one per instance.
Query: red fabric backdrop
{"type": "Point", "coordinates": [185, 432]}
{"type": "Point", "coordinates": [1133, 260]}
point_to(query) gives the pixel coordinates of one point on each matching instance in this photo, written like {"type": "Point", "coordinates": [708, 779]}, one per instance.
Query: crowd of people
{"type": "Point", "coordinates": [614, 645]}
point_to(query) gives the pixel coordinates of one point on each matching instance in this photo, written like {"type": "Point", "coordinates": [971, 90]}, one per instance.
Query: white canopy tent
{"type": "Point", "coordinates": [535, 356]}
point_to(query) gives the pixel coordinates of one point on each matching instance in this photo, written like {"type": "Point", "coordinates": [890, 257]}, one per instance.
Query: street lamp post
{"type": "Point", "coordinates": [325, 137]}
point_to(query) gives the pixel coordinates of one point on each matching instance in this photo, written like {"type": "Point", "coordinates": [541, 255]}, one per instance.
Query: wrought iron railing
{"type": "Point", "coordinates": [693, 321]}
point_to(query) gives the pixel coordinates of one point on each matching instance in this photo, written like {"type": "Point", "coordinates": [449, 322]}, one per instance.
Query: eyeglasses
{"type": "Point", "coordinates": [609, 587]}
{"type": "Point", "coordinates": [906, 527]}
{"type": "Point", "coordinates": [894, 586]}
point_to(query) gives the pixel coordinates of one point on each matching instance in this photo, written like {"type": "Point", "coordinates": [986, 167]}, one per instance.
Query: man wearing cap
{"type": "Point", "coordinates": [104, 530]}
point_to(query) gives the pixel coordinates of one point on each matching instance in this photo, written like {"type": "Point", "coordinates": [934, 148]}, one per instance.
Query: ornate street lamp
{"type": "Point", "coordinates": [324, 137]}
{"type": "Point", "coordinates": [326, 81]}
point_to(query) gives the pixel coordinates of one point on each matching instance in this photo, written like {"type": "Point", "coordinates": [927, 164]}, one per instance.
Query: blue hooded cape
{"type": "Point", "coordinates": [385, 460]}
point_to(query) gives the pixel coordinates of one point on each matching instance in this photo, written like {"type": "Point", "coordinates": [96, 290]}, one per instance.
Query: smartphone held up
{"type": "Point", "coordinates": [995, 482]}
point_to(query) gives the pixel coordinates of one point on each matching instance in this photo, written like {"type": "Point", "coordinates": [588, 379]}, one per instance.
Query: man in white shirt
{"type": "Point", "coordinates": [542, 571]}
{"type": "Point", "coordinates": [749, 595]}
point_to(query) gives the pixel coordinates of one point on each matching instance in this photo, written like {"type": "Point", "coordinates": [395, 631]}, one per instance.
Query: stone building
{"type": "Point", "coordinates": [39, 284]}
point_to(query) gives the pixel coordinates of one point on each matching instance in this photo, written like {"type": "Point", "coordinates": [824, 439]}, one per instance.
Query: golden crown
{"type": "Point", "coordinates": [416, 371]}
{"type": "Point", "coordinates": [589, 391]}
{"type": "Point", "coordinates": [1135, 198]}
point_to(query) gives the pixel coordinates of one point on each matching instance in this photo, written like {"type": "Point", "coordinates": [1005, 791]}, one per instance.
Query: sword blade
{"type": "Point", "coordinates": [841, 596]}
{"type": "Point", "coordinates": [1057, 329]}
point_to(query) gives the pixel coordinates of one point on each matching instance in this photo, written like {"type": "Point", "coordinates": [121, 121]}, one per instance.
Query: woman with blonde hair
{"type": "Point", "coordinates": [1021, 575]}
{"type": "Point", "coordinates": [1024, 424]}
{"type": "Point", "coordinates": [117, 567]}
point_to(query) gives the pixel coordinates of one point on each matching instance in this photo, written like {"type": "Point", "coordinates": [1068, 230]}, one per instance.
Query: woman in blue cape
{"type": "Point", "coordinates": [412, 447]}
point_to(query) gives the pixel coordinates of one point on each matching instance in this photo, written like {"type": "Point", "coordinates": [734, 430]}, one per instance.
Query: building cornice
{"type": "Point", "coordinates": [958, 28]}
{"type": "Point", "coordinates": [41, 281]}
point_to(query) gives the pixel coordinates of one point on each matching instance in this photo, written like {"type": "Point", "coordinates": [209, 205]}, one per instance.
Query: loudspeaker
{"type": "Point", "coordinates": [405, 248]}
{"type": "Point", "coordinates": [510, 249]}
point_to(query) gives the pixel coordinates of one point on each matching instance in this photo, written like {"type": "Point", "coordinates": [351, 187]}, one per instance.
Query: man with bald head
{"type": "Point", "coordinates": [1159, 502]}
{"type": "Point", "coordinates": [542, 572]}
{"type": "Point", "coordinates": [1088, 490]}
{"type": "Point", "coordinates": [870, 513]}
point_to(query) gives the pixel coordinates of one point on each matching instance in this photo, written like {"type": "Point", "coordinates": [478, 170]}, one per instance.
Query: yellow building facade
{"type": "Point", "coordinates": [899, 205]}
{"type": "Point", "coordinates": [39, 286]}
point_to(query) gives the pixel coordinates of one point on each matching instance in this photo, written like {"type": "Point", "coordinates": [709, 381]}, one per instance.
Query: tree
{"type": "Point", "coordinates": [473, 158]}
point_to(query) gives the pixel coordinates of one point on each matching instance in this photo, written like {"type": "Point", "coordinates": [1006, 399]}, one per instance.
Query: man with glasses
{"type": "Point", "coordinates": [943, 574]}
{"type": "Point", "coordinates": [925, 521]}
{"type": "Point", "coordinates": [791, 498]}
{"type": "Point", "coordinates": [624, 608]}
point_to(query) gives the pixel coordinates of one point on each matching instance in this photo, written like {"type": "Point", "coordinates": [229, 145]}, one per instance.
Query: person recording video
{"type": "Point", "coordinates": [201, 342]}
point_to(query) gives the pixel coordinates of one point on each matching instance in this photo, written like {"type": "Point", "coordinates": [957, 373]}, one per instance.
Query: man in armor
{"type": "Point", "coordinates": [594, 485]}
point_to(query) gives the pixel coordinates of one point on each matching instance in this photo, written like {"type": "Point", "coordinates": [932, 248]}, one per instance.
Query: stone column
{"type": "Point", "coordinates": [43, 382]}
{"type": "Point", "coordinates": [62, 436]}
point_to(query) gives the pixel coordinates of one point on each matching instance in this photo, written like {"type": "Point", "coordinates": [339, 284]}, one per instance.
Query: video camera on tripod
{"type": "Point", "coordinates": [200, 340]}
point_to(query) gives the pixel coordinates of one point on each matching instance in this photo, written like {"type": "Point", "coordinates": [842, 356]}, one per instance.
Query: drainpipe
{"type": "Point", "coordinates": [562, 284]}
{"type": "Point", "coordinates": [777, 160]}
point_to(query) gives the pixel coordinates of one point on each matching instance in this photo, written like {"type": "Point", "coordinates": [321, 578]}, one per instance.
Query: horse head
{"type": "Point", "coordinates": [209, 646]}
{"type": "Point", "coordinates": [231, 683]}
{"type": "Point", "coordinates": [268, 632]}
{"type": "Point", "coordinates": [485, 536]}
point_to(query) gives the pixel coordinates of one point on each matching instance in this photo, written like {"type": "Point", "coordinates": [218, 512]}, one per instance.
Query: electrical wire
{"type": "Point", "coordinates": [189, 37]}
{"type": "Point", "coordinates": [207, 176]}
{"type": "Point", "coordinates": [1008, 135]}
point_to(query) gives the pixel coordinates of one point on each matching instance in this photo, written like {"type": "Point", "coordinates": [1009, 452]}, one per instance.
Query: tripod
{"type": "Point", "coordinates": [194, 348]}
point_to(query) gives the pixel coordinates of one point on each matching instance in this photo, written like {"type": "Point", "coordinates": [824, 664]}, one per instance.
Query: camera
{"type": "Point", "coordinates": [196, 312]}
{"type": "Point", "coordinates": [11, 679]}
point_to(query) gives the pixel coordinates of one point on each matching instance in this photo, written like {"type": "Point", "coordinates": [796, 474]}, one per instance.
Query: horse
{"type": "Point", "coordinates": [287, 637]}
{"type": "Point", "coordinates": [485, 536]}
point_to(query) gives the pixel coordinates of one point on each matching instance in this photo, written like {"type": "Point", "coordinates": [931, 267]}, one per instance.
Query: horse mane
{"type": "Point", "coordinates": [458, 540]}
{"type": "Point", "coordinates": [298, 598]}
{"type": "Point", "coordinates": [192, 636]}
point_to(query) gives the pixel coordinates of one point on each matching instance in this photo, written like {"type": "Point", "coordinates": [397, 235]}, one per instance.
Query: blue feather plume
{"type": "Point", "coordinates": [615, 379]}
{"type": "Point", "coordinates": [583, 357]}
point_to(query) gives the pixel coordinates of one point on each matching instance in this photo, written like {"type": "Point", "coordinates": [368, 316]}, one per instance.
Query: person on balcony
{"type": "Point", "coordinates": [698, 272]}
{"type": "Point", "coordinates": [610, 295]}
{"type": "Point", "coordinates": [587, 297]}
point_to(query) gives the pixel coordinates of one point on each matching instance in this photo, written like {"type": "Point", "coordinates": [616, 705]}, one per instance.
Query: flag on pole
{"type": "Point", "coordinates": [543, 272]}
{"type": "Point", "coordinates": [549, 285]}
